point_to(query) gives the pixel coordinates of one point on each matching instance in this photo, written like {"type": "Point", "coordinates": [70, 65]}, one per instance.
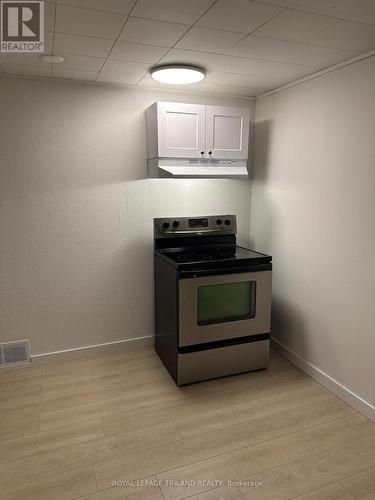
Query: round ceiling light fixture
{"type": "Point", "coordinates": [178, 74]}
{"type": "Point", "coordinates": [51, 59]}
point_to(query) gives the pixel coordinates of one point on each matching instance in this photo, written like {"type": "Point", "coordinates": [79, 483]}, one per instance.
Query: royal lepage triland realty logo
{"type": "Point", "coordinates": [22, 26]}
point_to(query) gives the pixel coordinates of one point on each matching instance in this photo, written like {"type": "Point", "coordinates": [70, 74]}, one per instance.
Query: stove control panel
{"type": "Point", "coordinates": [198, 223]}
{"type": "Point", "coordinates": [194, 226]}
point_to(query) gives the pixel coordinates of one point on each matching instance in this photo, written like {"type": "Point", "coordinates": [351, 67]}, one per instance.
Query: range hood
{"type": "Point", "coordinates": [201, 168]}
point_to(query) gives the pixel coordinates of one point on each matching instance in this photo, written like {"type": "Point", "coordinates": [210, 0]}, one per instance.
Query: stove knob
{"type": "Point", "coordinates": [227, 222]}
{"type": "Point", "coordinates": [219, 222]}
{"type": "Point", "coordinates": [176, 223]}
{"type": "Point", "coordinates": [165, 225]}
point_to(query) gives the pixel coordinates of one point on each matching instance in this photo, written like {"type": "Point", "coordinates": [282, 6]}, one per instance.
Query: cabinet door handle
{"type": "Point", "coordinates": [202, 152]}
{"type": "Point", "coordinates": [210, 152]}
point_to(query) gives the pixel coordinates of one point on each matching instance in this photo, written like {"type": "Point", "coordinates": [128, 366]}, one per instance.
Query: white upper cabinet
{"type": "Point", "coordinates": [178, 130]}
{"type": "Point", "coordinates": [227, 132]}
{"type": "Point", "coordinates": [181, 130]}
{"type": "Point", "coordinates": [175, 130]}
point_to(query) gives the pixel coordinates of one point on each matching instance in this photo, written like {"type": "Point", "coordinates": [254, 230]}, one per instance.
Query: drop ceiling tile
{"type": "Point", "coordinates": [291, 52]}
{"type": "Point", "coordinates": [177, 11]}
{"type": "Point", "coordinates": [83, 63]}
{"type": "Point", "coordinates": [82, 45]}
{"type": "Point", "coordinates": [117, 6]}
{"type": "Point", "coordinates": [241, 91]}
{"type": "Point", "coordinates": [69, 74]}
{"type": "Point", "coordinates": [88, 22]}
{"type": "Point", "coordinates": [218, 77]}
{"type": "Point", "coordinates": [205, 86]}
{"type": "Point", "coordinates": [136, 52]}
{"type": "Point", "coordinates": [246, 66]}
{"type": "Point", "coordinates": [181, 56]}
{"type": "Point", "coordinates": [26, 69]}
{"type": "Point", "coordinates": [279, 3]}
{"type": "Point", "coordinates": [209, 40]}
{"type": "Point", "coordinates": [257, 81]}
{"type": "Point", "coordinates": [242, 16]}
{"type": "Point", "coordinates": [224, 89]}
{"type": "Point", "coordinates": [122, 72]}
{"type": "Point", "coordinates": [319, 30]}
{"type": "Point", "coordinates": [362, 11]}
{"type": "Point", "coordinates": [152, 32]}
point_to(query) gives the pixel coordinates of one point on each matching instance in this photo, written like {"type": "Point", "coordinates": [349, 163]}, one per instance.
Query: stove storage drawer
{"type": "Point", "coordinates": [222, 361]}
{"type": "Point", "coordinates": [222, 307]}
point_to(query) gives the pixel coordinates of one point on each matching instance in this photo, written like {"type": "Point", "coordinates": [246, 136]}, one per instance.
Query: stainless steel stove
{"type": "Point", "coordinates": [212, 299]}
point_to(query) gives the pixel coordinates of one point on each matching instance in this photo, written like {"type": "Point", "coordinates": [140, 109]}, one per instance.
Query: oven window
{"type": "Point", "coordinates": [226, 302]}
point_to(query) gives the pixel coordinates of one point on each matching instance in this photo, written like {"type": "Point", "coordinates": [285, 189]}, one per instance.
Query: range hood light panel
{"type": "Point", "coordinates": [180, 168]}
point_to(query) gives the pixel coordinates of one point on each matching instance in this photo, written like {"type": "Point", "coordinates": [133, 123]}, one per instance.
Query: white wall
{"type": "Point", "coordinates": [313, 209]}
{"type": "Point", "coordinates": [76, 211]}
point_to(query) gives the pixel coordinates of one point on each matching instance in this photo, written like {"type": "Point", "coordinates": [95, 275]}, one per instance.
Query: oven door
{"type": "Point", "coordinates": [224, 306]}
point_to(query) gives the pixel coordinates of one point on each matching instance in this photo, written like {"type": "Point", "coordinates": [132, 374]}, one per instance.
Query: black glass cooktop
{"type": "Point", "coordinates": [205, 254]}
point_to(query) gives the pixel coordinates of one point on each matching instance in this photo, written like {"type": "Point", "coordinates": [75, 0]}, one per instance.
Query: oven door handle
{"type": "Point", "coordinates": [214, 272]}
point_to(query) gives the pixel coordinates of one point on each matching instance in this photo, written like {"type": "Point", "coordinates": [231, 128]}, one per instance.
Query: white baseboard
{"type": "Point", "coordinates": [324, 379]}
{"type": "Point", "coordinates": [93, 350]}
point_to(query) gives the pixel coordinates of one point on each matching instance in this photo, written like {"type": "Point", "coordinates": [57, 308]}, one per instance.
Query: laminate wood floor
{"type": "Point", "coordinates": [117, 427]}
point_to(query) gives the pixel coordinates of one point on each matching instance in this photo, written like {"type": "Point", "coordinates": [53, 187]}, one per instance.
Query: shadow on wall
{"type": "Point", "coordinates": [293, 328]}
{"type": "Point", "coordinates": [288, 325]}
{"type": "Point", "coordinates": [262, 227]}
{"type": "Point", "coordinates": [293, 321]}
{"type": "Point", "coordinates": [262, 143]}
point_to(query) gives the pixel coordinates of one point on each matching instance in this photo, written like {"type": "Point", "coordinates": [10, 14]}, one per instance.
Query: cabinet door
{"type": "Point", "coordinates": [181, 130]}
{"type": "Point", "coordinates": [227, 132]}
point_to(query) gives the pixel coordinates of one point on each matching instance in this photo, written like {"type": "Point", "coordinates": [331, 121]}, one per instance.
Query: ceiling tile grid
{"type": "Point", "coordinates": [175, 11]}
{"type": "Point", "coordinates": [127, 51]}
{"type": "Point", "coordinates": [211, 39]}
{"type": "Point", "coordinates": [88, 22]}
{"type": "Point", "coordinates": [152, 32]}
{"type": "Point", "coordinates": [115, 6]}
{"type": "Point", "coordinates": [69, 74]}
{"type": "Point", "coordinates": [80, 63]}
{"type": "Point", "coordinates": [242, 16]}
{"type": "Point", "coordinates": [247, 46]}
{"type": "Point", "coordinates": [82, 45]}
{"type": "Point", "coordinates": [271, 49]}
{"type": "Point", "coordinates": [361, 11]}
{"type": "Point", "coordinates": [320, 30]}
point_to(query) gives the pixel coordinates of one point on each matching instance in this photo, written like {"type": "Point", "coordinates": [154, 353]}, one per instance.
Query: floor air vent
{"type": "Point", "coordinates": [12, 353]}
